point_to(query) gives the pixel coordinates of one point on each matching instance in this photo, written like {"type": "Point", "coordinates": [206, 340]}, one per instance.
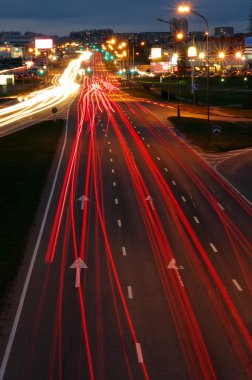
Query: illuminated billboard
{"type": "Point", "coordinates": [156, 53]}
{"type": "Point", "coordinates": [6, 80]}
{"type": "Point", "coordinates": [160, 67]}
{"type": "Point", "coordinates": [44, 43]}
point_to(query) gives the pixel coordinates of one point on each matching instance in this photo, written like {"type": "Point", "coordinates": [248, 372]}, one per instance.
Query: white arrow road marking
{"type": "Point", "coordinates": [78, 265]}
{"type": "Point", "coordinates": [83, 199]}
{"type": "Point", "coordinates": [150, 199]}
{"type": "Point", "coordinates": [172, 265]}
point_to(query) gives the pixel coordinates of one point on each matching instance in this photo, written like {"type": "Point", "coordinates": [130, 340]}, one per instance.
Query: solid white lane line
{"type": "Point", "coordinates": [119, 223]}
{"type": "Point", "coordinates": [33, 259]}
{"type": "Point", "coordinates": [173, 182]}
{"type": "Point", "coordinates": [116, 201]}
{"type": "Point", "coordinates": [196, 219]}
{"type": "Point", "coordinates": [213, 247]}
{"type": "Point", "coordinates": [124, 252]}
{"type": "Point", "coordinates": [237, 285]}
{"type": "Point", "coordinates": [114, 184]}
{"type": "Point", "coordinates": [220, 206]}
{"type": "Point", "coordinates": [183, 199]}
{"type": "Point", "coordinates": [130, 294]}
{"type": "Point", "coordinates": [166, 170]}
{"type": "Point", "coordinates": [139, 353]}
{"type": "Point", "coordinates": [113, 171]}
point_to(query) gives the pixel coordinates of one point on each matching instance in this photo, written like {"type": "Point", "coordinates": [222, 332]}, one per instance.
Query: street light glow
{"type": "Point", "coordinates": [180, 36]}
{"type": "Point", "coordinates": [184, 9]}
{"type": "Point", "coordinates": [221, 55]}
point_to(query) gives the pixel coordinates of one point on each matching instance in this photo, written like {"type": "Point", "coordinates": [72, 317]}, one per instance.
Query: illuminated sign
{"type": "Point", "coordinates": [156, 53]}
{"type": "Point", "coordinates": [192, 52]}
{"type": "Point", "coordinates": [43, 43]}
{"type": "Point", "coordinates": [6, 80]}
{"type": "Point", "coordinates": [160, 67]}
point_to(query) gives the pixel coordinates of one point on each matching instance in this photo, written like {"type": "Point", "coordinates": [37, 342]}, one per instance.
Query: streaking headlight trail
{"type": "Point", "coordinates": [46, 98]}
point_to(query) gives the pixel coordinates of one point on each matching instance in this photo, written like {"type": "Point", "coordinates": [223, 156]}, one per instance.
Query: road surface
{"type": "Point", "coordinates": [140, 263]}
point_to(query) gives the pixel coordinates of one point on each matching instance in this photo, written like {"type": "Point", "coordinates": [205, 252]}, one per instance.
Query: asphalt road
{"type": "Point", "coordinates": [166, 245]}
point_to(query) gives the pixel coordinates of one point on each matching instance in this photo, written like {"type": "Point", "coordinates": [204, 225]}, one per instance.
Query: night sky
{"type": "Point", "coordinates": [62, 16]}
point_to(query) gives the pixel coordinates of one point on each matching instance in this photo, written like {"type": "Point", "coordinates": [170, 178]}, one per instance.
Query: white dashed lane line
{"type": "Point", "coordinates": [220, 206]}
{"type": "Point", "coordinates": [173, 182]}
{"type": "Point", "coordinates": [196, 219]}
{"type": "Point", "coordinates": [166, 170]}
{"type": "Point", "coordinates": [183, 199]}
{"type": "Point", "coordinates": [112, 171]}
{"type": "Point", "coordinates": [124, 252]}
{"type": "Point", "coordinates": [213, 247]}
{"type": "Point", "coordinates": [114, 184]}
{"type": "Point", "coordinates": [119, 222]}
{"type": "Point", "coordinates": [111, 160]}
{"type": "Point", "coordinates": [116, 201]}
{"type": "Point", "coordinates": [237, 285]}
{"type": "Point", "coordinates": [130, 294]}
{"type": "Point", "coordinates": [158, 158]}
{"type": "Point", "coordinates": [139, 353]}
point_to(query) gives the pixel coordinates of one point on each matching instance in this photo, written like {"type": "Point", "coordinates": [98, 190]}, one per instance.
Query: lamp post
{"type": "Point", "coordinates": [187, 9]}
{"type": "Point", "coordinates": [192, 54]}
{"type": "Point", "coordinates": [221, 57]}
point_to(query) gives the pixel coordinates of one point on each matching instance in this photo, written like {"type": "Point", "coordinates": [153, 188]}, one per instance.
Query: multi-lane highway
{"type": "Point", "coordinates": [139, 266]}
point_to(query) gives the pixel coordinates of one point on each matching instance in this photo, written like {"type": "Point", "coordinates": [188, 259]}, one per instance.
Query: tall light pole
{"type": "Point", "coordinates": [187, 9]}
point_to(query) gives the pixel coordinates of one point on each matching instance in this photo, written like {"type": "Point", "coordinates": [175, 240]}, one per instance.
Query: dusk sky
{"type": "Point", "coordinates": [62, 17]}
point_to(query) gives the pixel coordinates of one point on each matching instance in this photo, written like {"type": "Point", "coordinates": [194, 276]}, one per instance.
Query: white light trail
{"type": "Point", "coordinates": [45, 99]}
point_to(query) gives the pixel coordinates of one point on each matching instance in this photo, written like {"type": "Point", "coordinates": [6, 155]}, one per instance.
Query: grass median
{"type": "Point", "coordinates": [232, 136]}
{"type": "Point", "coordinates": [25, 161]}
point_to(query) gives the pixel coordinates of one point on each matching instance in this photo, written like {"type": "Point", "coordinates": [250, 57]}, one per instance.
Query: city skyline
{"type": "Point", "coordinates": [63, 18]}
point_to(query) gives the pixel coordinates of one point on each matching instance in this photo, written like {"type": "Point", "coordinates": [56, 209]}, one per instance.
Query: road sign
{"type": "Point", "coordinates": [54, 110]}
{"type": "Point", "coordinates": [216, 129]}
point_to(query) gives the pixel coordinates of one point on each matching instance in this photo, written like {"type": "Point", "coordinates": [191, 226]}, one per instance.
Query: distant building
{"type": "Point", "coordinates": [197, 35]}
{"type": "Point", "coordinates": [224, 31]}
{"type": "Point", "coordinates": [95, 36]}
{"type": "Point", "coordinates": [179, 25]}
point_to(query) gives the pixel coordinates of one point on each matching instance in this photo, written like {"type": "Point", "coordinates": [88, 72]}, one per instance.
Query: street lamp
{"type": "Point", "coordinates": [192, 54]}
{"type": "Point", "coordinates": [187, 9]}
{"type": "Point", "coordinates": [221, 57]}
